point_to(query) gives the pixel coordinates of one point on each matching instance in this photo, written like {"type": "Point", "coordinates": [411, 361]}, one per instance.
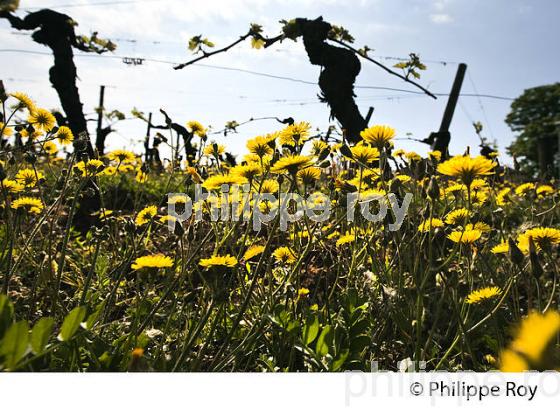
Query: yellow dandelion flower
{"type": "Point", "coordinates": [141, 176]}
{"type": "Point", "coordinates": [488, 358]}
{"type": "Point", "coordinates": [364, 154]}
{"type": "Point", "coordinates": [524, 188]}
{"type": "Point", "coordinates": [248, 171]}
{"type": "Point", "coordinates": [166, 218]}
{"type": "Point", "coordinates": [482, 295]}
{"type": "Point", "coordinates": [502, 247]}
{"type": "Point", "coordinates": [435, 155]}
{"type": "Point", "coordinates": [502, 196]}
{"type": "Point", "coordinates": [302, 293]}
{"type": "Point", "coordinates": [35, 135]}
{"type": "Point", "coordinates": [29, 204]}
{"type": "Point", "coordinates": [457, 216]}
{"type": "Point", "coordinates": [333, 235]}
{"type": "Point", "coordinates": [90, 168]}
{"type": "Point", "coordinates": [121, 155]}
{"type": "Point", "coordinates": [535, 335]}
{"type": "Point", "coordinates": [216, 181]}
{"type": "Point", "coordinates": [157, 261]}
{"type": "Point", "coordinates": [146, 215]}
{"type": "Point", "coordinates": [50, 148]}
{"type": "Point", "coordinates": [336, 146]}
{"type": "Point", "coordinates": [226, 261]}
{"type": "Point", "coordinates": [545, 190]}
{"type": "Point", "coordinates": [453, 188]}
{"type": "Point", "coordinates": [403, 178]}
{"type": "Point", "coordinates": [478, 198]}
{"type": "Point", "coordinates": [110, 170]}
{"type": "Point", "coordinates": [542, 237]}
{"type": "Point", "coordinates": [478, 183]}
{"type": "Point", "coordinates": [214, 149]}
{"type": "Point", "coordinates": [24, 101]}
{"type": "Point", "coordinates": [127, 168]}
{"type": "Point", "coordinates": [481, 226]}
{"type": "Point", "coordinates": [309, 175]}
{"type": "Point", "coordinates": [5, 131]}
{"type": "Point", "coordinates": [291, 164]}
{"type": "Point", "coordinates": [104, 213]}
{"type": "Point", "coordinates": [42, 119]}
{"type": "Point", "coordinates": [430, 224]}
{"type": "Point", "coordinates": [253, 251]}
{"type": "Point", "coordinates": [466, 168]}
{"type": "Point", "coordinates": [29, 177]}
{"type": "Point", "coordinates": [378, 135]}
{"type": "Point", "coordinates": [412, 156]}
{"type": "Point", "coordinates": [64, 135]}
{"type": "Point", "coordinates": [194, 174]}
{"type": "Point", "coordinates": [299, 234]}
{"type": "Point", "coordinates": [260, 146]}
{"type": "Point", "coordinates": [269, 186]}
{"type": "Point", "coordinates": [318, 146]}
{"type": "Point", "coordinates": [511, 362]}
{"type": "Point", "coordinates": [137, 353]}
{"type": "Point", "coordinates": [265, 161]}
{"type": "Point", "coordinates": [196, 128]}
{"type": "Point", "coordinates": [178, 199]}
{"type": "Point", "coordinates": [346, 238]}
{"type": "Point", "coordinates": [466, 236]}
{"type": "Point", "coordinates": [284, 255]}
{"type": "Point", "coordinates": [11, 186]}
{"type": "Point", "coordinates": [295, 134]}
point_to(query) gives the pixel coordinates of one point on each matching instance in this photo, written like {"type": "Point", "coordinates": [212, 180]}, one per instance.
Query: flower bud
{"type": "Point", "coordinates": [178, 230]}
{"type": "Point", "coordinates": [433, 189]}
{"type": "Point", "coordinates": [536, 268]}
{"type": "Point", "coordinates": [30, 158]}
{"type": "Point", "coordinates": [515, 254]}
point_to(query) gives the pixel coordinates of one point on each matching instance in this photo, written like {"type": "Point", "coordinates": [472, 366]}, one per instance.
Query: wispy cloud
{"type": "Point", "coordinates": [439, 5]}
{"type": "Point", "coordinates": [441, 18]}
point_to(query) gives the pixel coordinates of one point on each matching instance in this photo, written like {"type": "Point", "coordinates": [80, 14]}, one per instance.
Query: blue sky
{"type": "Point", "coordinates": [509, 45]}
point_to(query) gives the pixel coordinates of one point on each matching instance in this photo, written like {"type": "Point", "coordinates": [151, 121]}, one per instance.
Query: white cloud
{"type": "Point", "coordinates": [441, 5]}
{"type": "Point", "coordinates": [441, 18]}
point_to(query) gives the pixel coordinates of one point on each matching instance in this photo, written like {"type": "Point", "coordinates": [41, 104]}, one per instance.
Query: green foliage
{"type": "Point", "coordinates": [412, 66]}
{"type": "Point", "coordinates": [138, 114]}
{"type": "Point", "coordinates": [9, 5]}
{"type": "Point", "coordinates": [231, 126]}
{"type": "Point", "coordinates": [535, 116]}
{"type": "Point", "coordinates": [341, 34]}
{"type": "Point", "coordinates": [6, 314]}
{"type": "Point", "coordinates": [290, 29]}
{"type": "Point", "coordinates": [196, 43]}
{"type": "Point", "coordinates": [14, 344]}
{"type": "Point", "coordinates": [311, 329]}
{"type": "Point", "coordinates": [364, 51]}
{"type": "Point", "coordinates": [255, 30]}
{"type": "Point", "coordinates": [41, 333]}
{"type": "Point", "coordinates": [95, 44]}
{"type": "Point", "coordinates": [334, 342]}
{"type": "Point", "coordinates": [71, 323]}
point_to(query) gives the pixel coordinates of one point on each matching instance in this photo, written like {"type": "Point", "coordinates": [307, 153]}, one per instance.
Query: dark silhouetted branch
{"type": "Point", "coordinates": [387, 69]}
{"type": "Point", "coordinates": [210, 54]}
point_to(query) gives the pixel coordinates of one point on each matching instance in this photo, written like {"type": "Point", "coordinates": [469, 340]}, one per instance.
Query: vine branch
{"type": "Point", "coordinates": [210, 54]}
{"type": "Point", "coordinates": [387, 69]}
